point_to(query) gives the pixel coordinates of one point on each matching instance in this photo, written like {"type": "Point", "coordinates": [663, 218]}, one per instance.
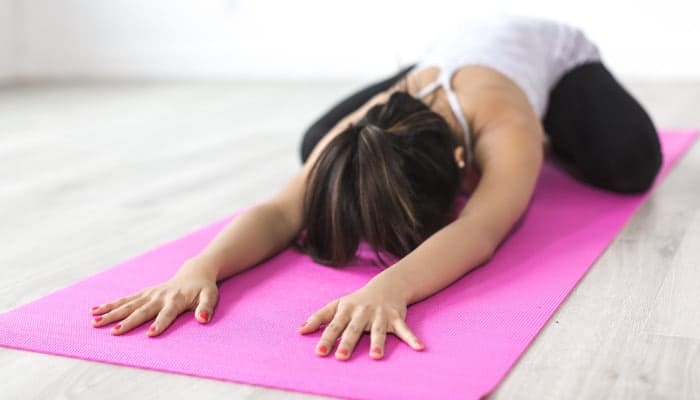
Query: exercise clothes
{"type": "Point", "coordinates": [533, 52]}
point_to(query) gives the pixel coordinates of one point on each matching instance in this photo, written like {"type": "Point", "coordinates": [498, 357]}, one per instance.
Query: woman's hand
{"type": "Point", "coordinates": [377, 308]}
{"type": "Point", "coordinates": [188, 289]}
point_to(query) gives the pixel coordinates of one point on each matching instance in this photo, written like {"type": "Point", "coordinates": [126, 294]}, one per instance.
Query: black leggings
{"type": "Point", "coordinates": [597, 131]}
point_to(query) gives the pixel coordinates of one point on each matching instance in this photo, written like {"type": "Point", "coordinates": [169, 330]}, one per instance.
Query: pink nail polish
{"type": "Point", "coordinates": [376, 350]}
{"type": "Point", "coordinates": [323, 349]}
{"type": "Point", "coordinates": [117, 327]}
{"type": "Point", "coordinates": [204, 315]}
{"type": "Point", "coordinates": [95, 308]}
{"type": "Point", "coordinates": [343, 352]}
{"type": "Point", "coordinates": [97, 319]}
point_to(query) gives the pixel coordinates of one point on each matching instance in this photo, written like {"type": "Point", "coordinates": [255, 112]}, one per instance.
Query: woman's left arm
{"type": "Point", "coordinates": [510, 155]}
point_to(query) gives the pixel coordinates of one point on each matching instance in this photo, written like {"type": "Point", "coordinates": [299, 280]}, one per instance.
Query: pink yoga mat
{"type": "Point", "coordinates": [474, 330]}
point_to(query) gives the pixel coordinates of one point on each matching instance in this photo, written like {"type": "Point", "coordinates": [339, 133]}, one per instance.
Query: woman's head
{"type": "Point", "coordinates": [389, 180]}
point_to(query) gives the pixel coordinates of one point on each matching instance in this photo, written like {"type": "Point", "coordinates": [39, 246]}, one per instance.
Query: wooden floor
{"type": "Point", "coordinates": [95, 174]}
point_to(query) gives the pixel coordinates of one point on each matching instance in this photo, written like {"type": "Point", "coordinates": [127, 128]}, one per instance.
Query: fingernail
{"type": "Point", "coordinates": [97, 319]}
{"type": "Point", "coordinates": [323, 349]}
{"type": "Point", "coordinates": [302, 325]}
{"type": "Point", "coordinates": [117, 327]}
{"type": "Point", "coordinates": [343, 352]}
{"type": "Point", "coordinates": [376, 350]}
{"type": "Point", "coordinates": [204, 315]}
{"type": "Point", "coordinates": [152, 328]}
{"type": "Point", "coordinates": [95, 308]}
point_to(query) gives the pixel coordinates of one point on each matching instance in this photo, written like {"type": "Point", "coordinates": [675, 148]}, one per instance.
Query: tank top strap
{"type": "Point", "coordinates": [444, 79]}
{"type": "Point", "coordinates": [429, 88]}
{"type": "Point", "coordinates": [459, 114]}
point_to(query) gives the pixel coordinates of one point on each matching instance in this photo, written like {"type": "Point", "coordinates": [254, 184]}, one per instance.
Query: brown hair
{"type": "Point", "coordinates": [390, 180]}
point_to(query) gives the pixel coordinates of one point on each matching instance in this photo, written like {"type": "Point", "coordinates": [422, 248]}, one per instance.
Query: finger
{"type": "Point", "coordinates": [322, 316]}
{"type": "Point", "coordinates": [349, 340]}
{"type": "Point", "coordinates": [401, 330]}
{"type": "Point", "coordinates": [103, 308]}
{"type": "Point", "coordinates": [331, 333]}
{"type": "Point", "coordinates": [136, 318]}
{"type": "Point", "coordinates": [165, 317]}
{"type": "Point", "coordinates": [118, 313]}
{"type": "Point", "coordinates": [378, 337]}
{"type": "Point", "coordinates": [352, 334]}
{"type": "Point", "coordinates": [207, 302]}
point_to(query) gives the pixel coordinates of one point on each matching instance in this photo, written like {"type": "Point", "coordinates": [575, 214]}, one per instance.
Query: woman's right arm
{"type": "Point", "coordinates": [254, 236]}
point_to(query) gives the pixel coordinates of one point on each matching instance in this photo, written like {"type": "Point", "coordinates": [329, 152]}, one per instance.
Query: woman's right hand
{"type": "Point", "coordinates": [186, 290]}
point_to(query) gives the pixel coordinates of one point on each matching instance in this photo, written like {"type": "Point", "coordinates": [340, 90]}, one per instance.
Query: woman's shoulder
{"type": "Point", "coordinates": [485, 94]}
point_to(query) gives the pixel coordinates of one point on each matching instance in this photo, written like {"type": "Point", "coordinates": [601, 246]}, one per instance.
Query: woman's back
{"type": "Point", "coordinates": [532, 52]}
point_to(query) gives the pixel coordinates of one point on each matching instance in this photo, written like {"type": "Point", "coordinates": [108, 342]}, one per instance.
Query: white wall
{"type": "Point", "coordinates": [7, 41]}
{"type": "Point", "coordinates": [308, 39]}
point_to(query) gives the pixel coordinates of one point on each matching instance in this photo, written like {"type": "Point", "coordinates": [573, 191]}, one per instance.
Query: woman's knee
{"type": "Point", "coordinates": [613, 138]}
{"type": "Point", "coordinates": [629, 170]}
{"type": "Point", "coordinates": [635, 157]}
{"type": "Point", "coordinates": [636, 172]}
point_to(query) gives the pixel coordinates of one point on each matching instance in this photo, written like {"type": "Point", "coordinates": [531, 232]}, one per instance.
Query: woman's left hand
{"type": "Point", "coordinates": [375, 308]}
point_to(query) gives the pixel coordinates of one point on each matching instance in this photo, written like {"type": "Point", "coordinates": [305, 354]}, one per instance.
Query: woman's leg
{"type": "Point", "coordinates": [600, 133]}
{"type": "Point", "coordinates": [328, 120]}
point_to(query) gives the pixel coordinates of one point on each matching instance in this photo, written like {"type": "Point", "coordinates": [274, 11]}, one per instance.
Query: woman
{"type": "Point", "coordinates": [477, 114]}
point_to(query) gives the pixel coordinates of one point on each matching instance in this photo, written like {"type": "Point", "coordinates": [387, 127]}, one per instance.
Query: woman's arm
{"type": "Point", "coordinates": [257, 234]}
{"type": "Point", "coordinates": [510, 155]}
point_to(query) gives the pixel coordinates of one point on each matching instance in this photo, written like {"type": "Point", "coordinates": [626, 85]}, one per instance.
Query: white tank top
{"type": "Point", "coordinates": [533, 52]}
